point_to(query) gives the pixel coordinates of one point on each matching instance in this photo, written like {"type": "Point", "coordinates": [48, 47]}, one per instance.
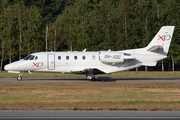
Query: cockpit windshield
{"type": "Point", "coordinates": [32, 57]}
{"type": "Point", "coordinates": [29, 57]}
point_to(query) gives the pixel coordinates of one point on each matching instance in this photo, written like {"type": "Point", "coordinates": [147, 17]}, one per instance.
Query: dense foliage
{"type": "Point", "coordinates": [28, 26]}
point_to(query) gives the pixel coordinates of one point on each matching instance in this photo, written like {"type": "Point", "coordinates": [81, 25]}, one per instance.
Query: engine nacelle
{"type": "Point", "coordinates": [111, 57]}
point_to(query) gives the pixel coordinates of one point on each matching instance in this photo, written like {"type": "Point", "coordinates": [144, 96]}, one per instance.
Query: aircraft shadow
{"type": "Point", "coordinates": [98, 79]}
{"type": "Point", "coordinates": [133, 79]}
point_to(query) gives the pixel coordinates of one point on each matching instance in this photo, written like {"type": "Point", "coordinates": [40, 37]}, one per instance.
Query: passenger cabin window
{"type": "Point", "coordinates": [59, 57]}
{"type": "Point", "coordinates": [75, 57]}
{"type": "Point", "coordinates": [83, 57]}
{"type": "Point", "coordinates": [67, 57]}
{"type": "Point", "coordinates": [93, 57]}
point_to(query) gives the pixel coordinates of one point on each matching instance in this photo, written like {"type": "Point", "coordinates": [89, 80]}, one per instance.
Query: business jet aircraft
{"type": "Point", "coordinates": [98, 62]}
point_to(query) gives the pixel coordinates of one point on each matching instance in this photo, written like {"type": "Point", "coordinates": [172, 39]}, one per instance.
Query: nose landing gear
{"type": "Point", "coordinates": [19, 78]}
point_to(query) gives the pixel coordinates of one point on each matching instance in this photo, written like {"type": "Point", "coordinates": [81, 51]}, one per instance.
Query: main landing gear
{"type": "Point", "coordinates": [90, 75]}
{"type": "Point", "coordinates": [19, 78]}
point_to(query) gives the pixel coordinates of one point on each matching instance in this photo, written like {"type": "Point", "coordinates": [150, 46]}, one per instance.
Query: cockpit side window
{"type": "Point", "coordinates": [27, 57]}
{"type": "Point", "coordinates": [36, 58]}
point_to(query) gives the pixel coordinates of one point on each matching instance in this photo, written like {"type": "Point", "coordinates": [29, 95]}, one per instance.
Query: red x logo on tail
{"type": "Point", "coordinates": [161, 37]}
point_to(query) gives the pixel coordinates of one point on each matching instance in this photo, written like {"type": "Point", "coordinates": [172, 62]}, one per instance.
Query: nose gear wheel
{"type": "Point", "coordinates": [19, 78]}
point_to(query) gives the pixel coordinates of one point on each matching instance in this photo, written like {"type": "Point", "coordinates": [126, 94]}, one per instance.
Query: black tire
{"type": "Point", "coordinates": [19, 78]}
{"type": "Point", "coordinates": [93, 79]}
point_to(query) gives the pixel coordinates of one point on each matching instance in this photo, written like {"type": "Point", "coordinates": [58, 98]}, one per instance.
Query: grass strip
{"type": "Point", "coordinates": [90, 96]}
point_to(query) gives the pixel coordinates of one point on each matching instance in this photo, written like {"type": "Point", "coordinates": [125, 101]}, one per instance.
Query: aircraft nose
{"type": "Point", "coordinates": [8, 67]}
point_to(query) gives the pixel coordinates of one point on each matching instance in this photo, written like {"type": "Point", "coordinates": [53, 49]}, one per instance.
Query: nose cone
{"type": "Point", "coordinates": [8, 67]}
{"type": "Point", "coordinates": [16, 66]}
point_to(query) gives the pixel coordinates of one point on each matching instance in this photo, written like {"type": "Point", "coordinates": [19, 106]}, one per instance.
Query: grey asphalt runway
{"type": "Point", "coordinates": [50, 114]}
{"type": "Point", "coordinates": [83, 80]}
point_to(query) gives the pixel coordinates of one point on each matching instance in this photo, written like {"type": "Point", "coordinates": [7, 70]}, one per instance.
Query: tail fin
{"type": "Point", "coordinates": [161, 42]}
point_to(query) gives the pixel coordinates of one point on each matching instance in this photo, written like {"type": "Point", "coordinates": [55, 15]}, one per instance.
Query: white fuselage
{"type": "Point", "coordinates": [69, 62]}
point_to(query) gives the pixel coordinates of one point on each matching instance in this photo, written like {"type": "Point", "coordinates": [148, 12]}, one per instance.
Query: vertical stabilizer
{"type": "Point", "coordinates": [162, 39]}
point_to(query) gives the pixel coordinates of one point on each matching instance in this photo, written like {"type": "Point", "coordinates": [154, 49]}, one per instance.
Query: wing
{"type": "Point", "coordinates": [86, 70]}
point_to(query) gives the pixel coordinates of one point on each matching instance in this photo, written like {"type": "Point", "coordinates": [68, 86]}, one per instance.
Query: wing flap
{"type": "Point", "coordinates": [80, 70]}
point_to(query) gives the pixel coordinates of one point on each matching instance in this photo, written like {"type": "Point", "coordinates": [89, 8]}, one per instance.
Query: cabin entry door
{"type": "Point", "coordinates": [51, 61]}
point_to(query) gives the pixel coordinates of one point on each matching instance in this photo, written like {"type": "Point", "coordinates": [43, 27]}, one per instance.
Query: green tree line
{"type": "Point", "coordinates": [28, 26]}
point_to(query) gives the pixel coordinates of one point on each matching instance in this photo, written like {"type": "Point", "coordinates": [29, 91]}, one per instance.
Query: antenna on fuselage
{"type": "Point", "coordinates": [84, 50]}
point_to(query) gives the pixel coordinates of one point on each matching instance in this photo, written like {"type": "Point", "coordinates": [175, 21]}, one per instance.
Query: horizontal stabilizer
{"type": "Point", "coordinates": [148, 64]}
{"type": "Point", "coordinates": [156, 49]}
